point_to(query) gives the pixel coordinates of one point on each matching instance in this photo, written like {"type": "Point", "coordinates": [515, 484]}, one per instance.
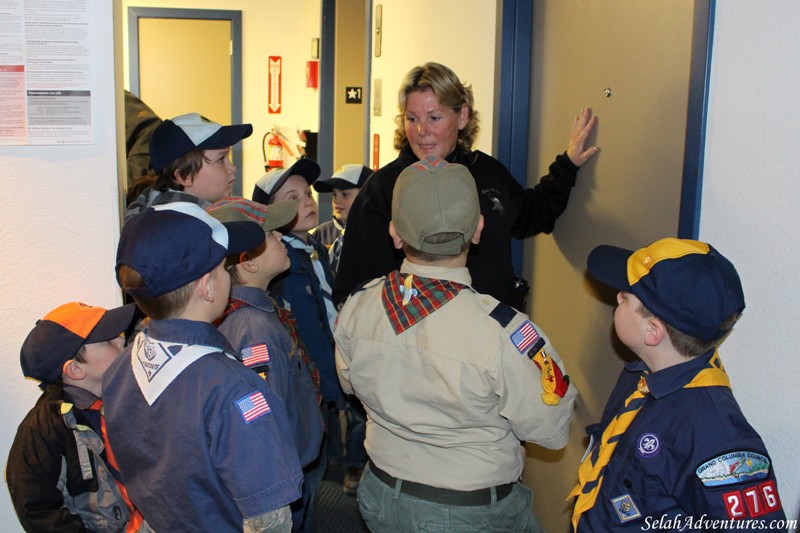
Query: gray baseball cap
{"type": "Point", "coordinates": [431, 197]}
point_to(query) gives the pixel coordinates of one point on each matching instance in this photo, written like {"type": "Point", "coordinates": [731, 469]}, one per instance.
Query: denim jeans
{"type": "Point", "coordinates": [386, 509]}
{"type": "Point", "coordinates": [304, 509]}
{"type": "Point", "coordinates": [354, 453]}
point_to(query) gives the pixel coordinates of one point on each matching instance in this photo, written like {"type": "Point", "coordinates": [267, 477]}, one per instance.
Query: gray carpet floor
{"type": "Point", "coordinates": [336, 511]}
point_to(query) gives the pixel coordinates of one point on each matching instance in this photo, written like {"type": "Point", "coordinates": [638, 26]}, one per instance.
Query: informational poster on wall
{"type": "Point", "coordinates": [47, 62]}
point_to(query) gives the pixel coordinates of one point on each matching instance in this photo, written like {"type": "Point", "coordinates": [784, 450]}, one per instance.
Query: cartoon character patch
{"type": "Point", "coordinates": [625, 507]}
{"type": "Point", "coordinates": [648, 445]}
{"type": "Point", "coordinates": [252, 406]}
{"type": "Point", "coordinates": [554, 383]}
{"type": "Point", "coordinates": [733, 467]}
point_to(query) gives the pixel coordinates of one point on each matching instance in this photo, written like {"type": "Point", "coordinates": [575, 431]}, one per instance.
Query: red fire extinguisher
{"type": "Point", "coordinates": [274, 155]}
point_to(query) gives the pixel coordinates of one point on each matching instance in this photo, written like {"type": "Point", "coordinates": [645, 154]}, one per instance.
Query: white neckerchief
{"type": "Point", "coordinates": [157, 363]}
{"type": "Point", "coordinates": [319, 270]}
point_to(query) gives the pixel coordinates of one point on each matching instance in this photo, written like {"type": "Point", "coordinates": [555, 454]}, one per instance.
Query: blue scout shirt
{"type": "Point", "coordinates": [688, 458]}
{"type": "Point", "coordinates": [201, 445]}
{"type": "Point", "coordinates": [299, 291]}
{"type": "Point", "coordinates": [263, 344]}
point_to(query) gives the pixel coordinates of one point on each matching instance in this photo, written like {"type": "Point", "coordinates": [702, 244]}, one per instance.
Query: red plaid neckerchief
{"type": "Point", "coordinates": [290, 323]}
{"type": "Point", "coordinates": [407, 298]}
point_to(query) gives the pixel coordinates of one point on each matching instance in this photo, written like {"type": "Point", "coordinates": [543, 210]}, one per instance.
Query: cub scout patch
{"type": "Point", "coordinates": [252, 406]}
{"type": "Point", "coordinates": [255, 355]}
{"type": "Point", "coordinates": [648, 445]}
{"type": "Point", "coordinates": [524, 337]}
{"type": "Point", "coordinates": [733, 467]}
{"type": "Point", "coordinates": [625, 507]}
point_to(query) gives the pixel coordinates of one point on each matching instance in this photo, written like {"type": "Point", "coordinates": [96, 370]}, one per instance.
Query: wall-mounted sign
{"type": "Point", "coordinates": [274, 96]}
{"type": "Point", "coordinates": [352, 95]}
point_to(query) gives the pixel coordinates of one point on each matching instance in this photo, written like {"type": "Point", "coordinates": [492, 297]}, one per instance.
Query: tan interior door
{"type": "Point", "coordinates": [185, 66]}
{"type": "Point", "coordinates": [629, 60]}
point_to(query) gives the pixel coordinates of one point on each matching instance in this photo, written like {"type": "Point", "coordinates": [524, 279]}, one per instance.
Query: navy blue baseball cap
{"type": "Point", "coordinates": [173, 244]}
{"type": "Point", "coordinates": [180, 135]}
{"type": "Point", "coordinates": [687, 284]}
{"type": "Point", "coordinates": [350, 176]}
{"type": "Point", "coordinates": [273, 180]}
{"type": "Point", "coordinates": [57, 338]}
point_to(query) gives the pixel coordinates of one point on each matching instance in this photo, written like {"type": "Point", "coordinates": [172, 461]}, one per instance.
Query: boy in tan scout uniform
{"type": "Point", "coordinates": [451, 380]}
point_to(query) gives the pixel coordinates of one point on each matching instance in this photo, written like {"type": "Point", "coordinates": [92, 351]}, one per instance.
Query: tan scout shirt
{"type": "Point", "coordinates": [450, 399]}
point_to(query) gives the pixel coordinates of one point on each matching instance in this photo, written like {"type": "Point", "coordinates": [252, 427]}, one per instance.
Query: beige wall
{"type": "Point", "coordinates": [629, 195]}
{"type": "Point", "coordinates": [350, 123]}
{"type": "Point", "coordinates": [269, 28]}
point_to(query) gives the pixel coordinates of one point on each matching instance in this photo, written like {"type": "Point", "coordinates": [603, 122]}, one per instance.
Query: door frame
{"type": "Point", "coordinates": [235, 19]}
{"type": "Point", "coordinates": [512, 94]}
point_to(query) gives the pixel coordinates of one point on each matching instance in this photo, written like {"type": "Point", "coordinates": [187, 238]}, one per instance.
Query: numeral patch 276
{"type": "Point", "coordinates": [752, 502]}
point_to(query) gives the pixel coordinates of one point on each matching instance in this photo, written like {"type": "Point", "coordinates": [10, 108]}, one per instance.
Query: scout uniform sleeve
{"type": "Point", "coordinates": [253, 450]}
{"type": "Point", "coordinates": [535, 394]}
{"type": "Point", "coordinates": [737, 485]}
{"type": "Point", "coordinates": [342, 351]}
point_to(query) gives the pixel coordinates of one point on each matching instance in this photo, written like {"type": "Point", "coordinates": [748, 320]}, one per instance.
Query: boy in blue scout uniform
{"type": "Point", "coordinates": [60, 474]}
{"type": "Point", "coordinates": [305, 291]}
{"type": "Point", "coordinates": [202, 441]}
{"type": "Point", "coordinates": [192, 157]}
{"type": "Point", "coordinates": [673, 450]}
{"type": "Point", "coordinates": [344, 185]}
{"type": "Point", "coordinates": [252, 324]}
{"type": "Point", "coordinates": [451, 380]}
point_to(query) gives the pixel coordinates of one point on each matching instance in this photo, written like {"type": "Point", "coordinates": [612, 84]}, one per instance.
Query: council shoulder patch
{"type": "Point", "coordinates": [525, 336]}
{"type": "Point", "coordinates": [625, 507]}
{"type": "Point", "coordinates": [252, 406]}
{"type": "Point", "coordinates": [733, 467]}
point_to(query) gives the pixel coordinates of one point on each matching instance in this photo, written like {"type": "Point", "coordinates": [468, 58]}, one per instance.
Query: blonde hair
{"type": "Point", "coordinates": [449, 91]}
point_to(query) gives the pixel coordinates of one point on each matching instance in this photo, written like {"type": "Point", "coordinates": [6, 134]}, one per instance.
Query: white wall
{"type": "Point", "coordinates": [58, 227]}
{"type": "Point", "coordinates": [750, 213]}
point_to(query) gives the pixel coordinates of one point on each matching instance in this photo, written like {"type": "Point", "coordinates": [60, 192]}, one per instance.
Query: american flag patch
{"type": "Point", "coordinates": [524, 337]}
{"type": "Point", "coordinates": [255, 355]}
{"type": "Point", "coordinates": [252, 406]}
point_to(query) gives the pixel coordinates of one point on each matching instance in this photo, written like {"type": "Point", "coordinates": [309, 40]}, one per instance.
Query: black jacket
{"type": "Point", "coordinates": [56, 476]}
{"type": "Point", "coordinates": [507, 208]}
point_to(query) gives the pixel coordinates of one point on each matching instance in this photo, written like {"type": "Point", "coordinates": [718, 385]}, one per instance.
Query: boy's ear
{"type": "Point", "coordinates": [74, 370]}
{"type": "Point", "coordinates": [396, 239]}
{"type": "Point", "coordinates": [656, 332]}
{"type": "Point", "coordinates": [205, 287]}
{"type": "Point", "coordinates": [476, 238]}
{"type": "Point", "coordinates": [248, 264]}
{"type": "Point", "coordinates": [180, 180]}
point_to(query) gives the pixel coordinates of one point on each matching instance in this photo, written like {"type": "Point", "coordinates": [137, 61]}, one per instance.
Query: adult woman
{"type": "Point", "coordinates": [437, 118]}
